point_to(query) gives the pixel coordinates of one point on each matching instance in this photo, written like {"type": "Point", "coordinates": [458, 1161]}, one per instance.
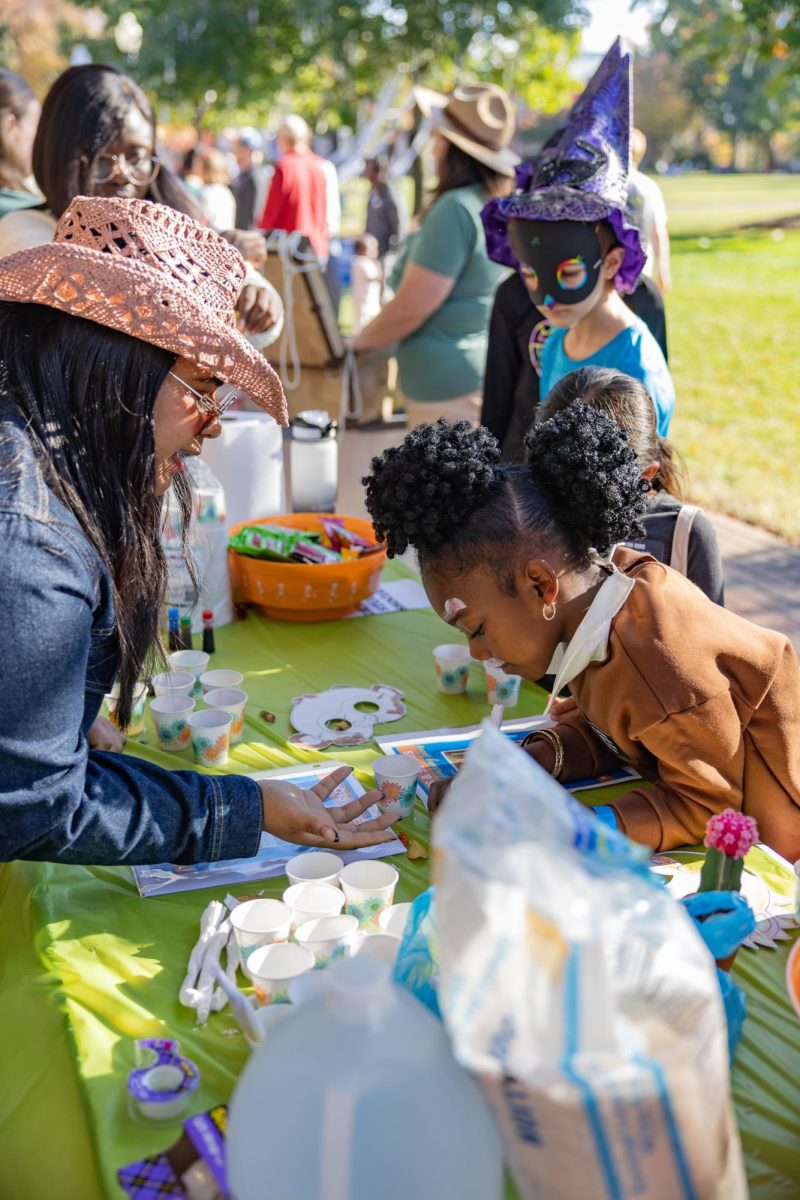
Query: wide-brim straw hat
{"type": "Point", "coordinates": [153, 273]}
{"type": "Point", "coordinates": [479, 118]}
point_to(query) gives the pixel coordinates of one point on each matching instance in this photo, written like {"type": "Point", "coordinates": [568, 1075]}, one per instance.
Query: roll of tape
{"type": "Point", "coordinates": [161, 1086]}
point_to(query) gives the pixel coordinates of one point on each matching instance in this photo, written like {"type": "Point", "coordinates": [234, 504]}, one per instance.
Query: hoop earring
{"type": "Point", "coordinates": [551, 615]}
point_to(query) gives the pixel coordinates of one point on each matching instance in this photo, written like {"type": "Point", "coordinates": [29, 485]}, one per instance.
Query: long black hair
{"type": "Point", "coordinates": [444, 492]}
{"type": "Point", "coordinates": [87, 395]}
{"type": "Point", "coordinates": [627, 401]}
{"type": "Point", "coordinates": [84, 112]}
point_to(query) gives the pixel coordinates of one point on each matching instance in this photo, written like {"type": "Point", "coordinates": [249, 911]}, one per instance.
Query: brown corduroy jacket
{"type": "Point", "coordinates": [703, 704]}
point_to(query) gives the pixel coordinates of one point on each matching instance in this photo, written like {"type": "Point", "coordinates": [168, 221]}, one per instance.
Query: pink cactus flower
{"type": "Point", "coordinates": [731, 832]}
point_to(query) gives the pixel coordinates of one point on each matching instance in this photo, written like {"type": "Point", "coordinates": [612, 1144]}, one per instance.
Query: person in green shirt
{"type": "Point", "coordinates": [439, 317]}
{"type": "Point", "coordinates": [19, 116]}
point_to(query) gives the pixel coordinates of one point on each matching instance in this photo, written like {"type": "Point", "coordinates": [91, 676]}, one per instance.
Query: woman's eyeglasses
{"type": "Point", "coordinates": [139, 169]}
{"type": "Point", "coordinates": [210, 405]}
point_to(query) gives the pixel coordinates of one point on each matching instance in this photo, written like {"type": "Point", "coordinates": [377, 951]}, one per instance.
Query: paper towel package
{"type": "Point", "coordinates": [247, 459]}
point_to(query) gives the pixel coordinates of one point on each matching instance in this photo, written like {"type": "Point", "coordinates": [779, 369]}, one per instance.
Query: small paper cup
{"type": "Point", "coordinates": [194, 662]}
{"type": "Point", "coordinates": [452, 668]}
{"type": "Point", "coordinates": [211, 680]}
{"type": "Point", "coordinates": [136, 724]}
{"type": "Point", "coordinates": [328, 938]}
{"type": "Point", "coordinates": [308, 901]}
{"type": "Point", "coordinates": [396, 777]}
{"type": "Point", "coordinates": [501, 688]}
{"type": "Point", "coordinates": [211, 736]}
{"type": "Point", "coordinates": [315, 866]}
{"type": "Point", "coordinates": [368, 888]}
{"type": "Point", "coordinates": [233, 701]}
{"type": "Point", "coordinates": [171, 719]}
{"type": "Point", "coordinates": [378, 945]}
{"type": "Point", "coordinates": [394, 919]}
{"type": "Point", "coordinates": [272, 969]}
{"type": "Point", "coordinates": [258, 923]}
{"type": "Point", "coordinates": [174, 683]}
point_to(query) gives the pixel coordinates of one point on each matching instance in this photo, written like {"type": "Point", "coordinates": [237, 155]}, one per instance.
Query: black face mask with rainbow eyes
{"type": "Point", "coordinates": [563, 259]}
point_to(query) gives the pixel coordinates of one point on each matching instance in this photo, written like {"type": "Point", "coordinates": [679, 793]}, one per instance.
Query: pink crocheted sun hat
{"type": "Point", "coordinates": [153, 273]}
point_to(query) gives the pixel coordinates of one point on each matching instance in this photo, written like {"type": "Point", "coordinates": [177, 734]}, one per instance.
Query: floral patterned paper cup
{"type": "Point", "coordinates": [501, 688]}
{"type": "Point", "coordinates": [136, 724]}
{"type": "Point", "coordinates": [452, 668]}
{"type": "Point", "coordinates": [394, 919]}
{"type": "Point", "coordinates": [258, 923]}
{"type": "Point", "coordinates": [368, 889]}
{"type": "Point", "coordinates": [211, 680]}
{"type": "Point", "coordinates": [272, 969]}
{"type": "Point", "coordinates": [328, 938]}
{"type": "Point", "coordinates": [309, 901]}
{"type": "Point", "coordinates": [195, 662]}
{"type": "Point", "coordinates": [171, 719]}
{"type": "Point", "coordinates": [396, 777]}
{"type": "Point", "coordinates": [233, 701]}
{"type": "Point", "coordinates": [378, 945]}
{"type": "Point", "coordinates": [211, 736]}
{"type": "Point", "coordinates": [174, 683]}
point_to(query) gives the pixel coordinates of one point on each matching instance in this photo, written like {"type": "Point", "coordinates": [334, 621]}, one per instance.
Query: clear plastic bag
{"type": "Point", "coordinates": [581, 994]}
{"type": "Point", "coordinates": [417, 964]}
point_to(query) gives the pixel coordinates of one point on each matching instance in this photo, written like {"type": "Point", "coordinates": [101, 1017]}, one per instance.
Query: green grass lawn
{"type": "Point", "coordinates": [734, 317]}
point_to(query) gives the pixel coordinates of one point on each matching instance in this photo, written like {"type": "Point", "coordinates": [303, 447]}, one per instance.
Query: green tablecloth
{"type": "Point", "coordinates": [87, 966]}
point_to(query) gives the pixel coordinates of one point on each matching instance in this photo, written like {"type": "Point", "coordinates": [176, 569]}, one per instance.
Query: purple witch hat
{"type": "Point", "coordinates": [582, 174]}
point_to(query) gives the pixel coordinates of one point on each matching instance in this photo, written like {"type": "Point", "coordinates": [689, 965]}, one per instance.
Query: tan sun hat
{"type": "Point", "coordinates": [479, 118]}
{"type": "Point", "coordinates": [153, 273]}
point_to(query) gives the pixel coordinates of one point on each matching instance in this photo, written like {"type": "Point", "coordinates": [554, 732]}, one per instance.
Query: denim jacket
{"type": "Point", "coordinates": [59, 800]}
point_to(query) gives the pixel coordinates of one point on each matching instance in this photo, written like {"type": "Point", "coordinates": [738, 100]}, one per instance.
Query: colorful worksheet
{"type": "Point", "coordinates": [440, 752]}
{"type": "Point", "coordinates": [273, 854]}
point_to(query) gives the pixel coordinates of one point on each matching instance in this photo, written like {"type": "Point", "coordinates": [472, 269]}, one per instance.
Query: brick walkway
{"type": "Point", "coordinates": [762, 572]}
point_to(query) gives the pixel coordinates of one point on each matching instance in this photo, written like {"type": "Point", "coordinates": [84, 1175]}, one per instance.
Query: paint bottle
{"type": "Point", "coordinates": [174, 636]}
{"type": "Point", "coordinates": [186, 633]}
{"type": "Point", "coordinates": [208, 631]}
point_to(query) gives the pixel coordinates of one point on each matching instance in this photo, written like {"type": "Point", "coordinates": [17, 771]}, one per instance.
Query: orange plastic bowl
{"type": "Point", "coordinates": [306, 591]}
{"type": "Point", "coordinates": [793, 977]}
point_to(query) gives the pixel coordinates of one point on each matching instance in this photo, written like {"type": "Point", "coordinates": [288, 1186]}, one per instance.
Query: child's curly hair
{"type": "Point", "coordinates": [444, 492]}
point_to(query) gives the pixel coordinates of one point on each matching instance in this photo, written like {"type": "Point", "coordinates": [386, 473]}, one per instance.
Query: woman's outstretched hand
{"type": "Point", "coordinates": [299, 815]}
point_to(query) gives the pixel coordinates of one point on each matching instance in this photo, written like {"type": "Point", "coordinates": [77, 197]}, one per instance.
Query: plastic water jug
{"type": "Point", "coordinates": [313, 460]}
{"type": "Point", "coordinates": [208, 539]}
{"type": "Point", "coordinates": [357, 1096]}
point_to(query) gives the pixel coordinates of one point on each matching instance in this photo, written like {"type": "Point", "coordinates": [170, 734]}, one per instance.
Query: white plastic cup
{"type": "Point", "coordinates": [173, 683]}
{"type": "Point", "coordinates": [308, 901]}
{"type": "Point", "coordinates": [233, 701]}
{"type": "Point", "coordinates": [315, 866]}
{"type": "Point", "coordinates": [452, 668]}
{"type": "Point", "coordinates": [394, 919]}
{"type": "Point", "coordinates": [396, 777]}
{"type": "Point", "coordinates": [258, 923]}
{"type": "Point", "coordinates": [501, 688]}
{"type": "Point", "coordinates": [211, 736]}
{"type": "Point", "coordinates": [220, 678]}
{"type": "Point", "coordinates": [170, 714]}
{"type": "Point", "coordinates": [328, 938]}
{"type": "Point", "coordinates": [194, 662]}
{"type": "Point", "coordinates": [272, 969]}
{"type": "Point", "coordinates": [136, 724]}
{"type": "Point", "coordinates": [378, 945]}
{"type": "Point", "coordinates": [368, 888]}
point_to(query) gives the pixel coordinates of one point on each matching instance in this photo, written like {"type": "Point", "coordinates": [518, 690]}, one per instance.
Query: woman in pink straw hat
{"type": "Point", "coordinates": [116, 342]}
{"type": "Point", "coordinates": [445, 283]}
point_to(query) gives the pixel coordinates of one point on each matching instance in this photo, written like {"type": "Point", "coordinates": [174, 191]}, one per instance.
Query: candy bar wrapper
{"type": "Point", "coordinates": [308, 552]}
{"type": "Point", "coordinates": [266, 541]}
{"type": "Point", "coordinates": [193, 1167]}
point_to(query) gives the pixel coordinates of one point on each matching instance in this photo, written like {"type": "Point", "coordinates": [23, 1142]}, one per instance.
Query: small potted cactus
{"type": "Point", "coordinates": [729, 836]}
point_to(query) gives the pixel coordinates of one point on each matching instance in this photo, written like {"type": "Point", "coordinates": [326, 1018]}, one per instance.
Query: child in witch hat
{"type": "Point", "coordinates": [566, 231]}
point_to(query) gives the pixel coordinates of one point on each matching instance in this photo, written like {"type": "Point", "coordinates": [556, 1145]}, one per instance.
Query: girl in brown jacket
{"type": "Point", "coordinates": [705, 705]}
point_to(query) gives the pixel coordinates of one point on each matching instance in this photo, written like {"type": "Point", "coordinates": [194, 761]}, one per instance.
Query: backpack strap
{"type": "Point", "coordinates": [679, 556]}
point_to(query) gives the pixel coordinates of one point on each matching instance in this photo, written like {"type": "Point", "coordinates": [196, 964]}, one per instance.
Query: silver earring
{"type": "Point", "coordinates": [551, 614]}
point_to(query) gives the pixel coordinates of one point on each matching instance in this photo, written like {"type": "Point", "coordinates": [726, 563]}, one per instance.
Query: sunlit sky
{"type": "Point", "coordinates": [612, 17]}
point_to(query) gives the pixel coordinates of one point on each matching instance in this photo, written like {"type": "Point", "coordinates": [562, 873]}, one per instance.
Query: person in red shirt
{"type": "Point", "coordinates": [297, 193]}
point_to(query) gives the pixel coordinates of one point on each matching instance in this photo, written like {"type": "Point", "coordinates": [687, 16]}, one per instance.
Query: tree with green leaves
{"type": "Point", "coordinates": [322, 57]}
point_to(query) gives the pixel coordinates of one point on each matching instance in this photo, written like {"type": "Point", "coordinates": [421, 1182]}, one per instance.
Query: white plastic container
{"type": "Point", "coordinates": [314, 463]}
{"type": "Point", "coordinates": [357, 1096]}
{"type": "Point", "coordinates": [247, 459]}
